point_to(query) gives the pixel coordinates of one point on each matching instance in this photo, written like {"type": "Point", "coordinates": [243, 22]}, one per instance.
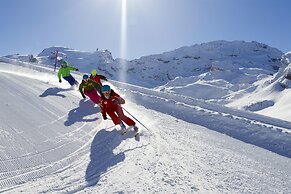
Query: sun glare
{"type": "Point", "coordinates": [123, 38]}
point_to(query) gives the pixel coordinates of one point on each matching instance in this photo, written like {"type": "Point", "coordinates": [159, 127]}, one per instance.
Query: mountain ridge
{"type": "Point", "coordinates": [223, 72]}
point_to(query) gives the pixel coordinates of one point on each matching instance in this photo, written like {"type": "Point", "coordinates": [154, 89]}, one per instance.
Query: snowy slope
{"type": "Point", "coordinates": [53, 142]}
{"type": "Point", "coordinates": [272, 96]}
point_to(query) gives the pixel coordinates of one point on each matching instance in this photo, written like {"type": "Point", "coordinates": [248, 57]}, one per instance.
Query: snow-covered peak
{"type": "Point", "coordinates": [283, 76]}
{"type": "Point", "coordinates": [156, 70]}
{"type": "Point", "coordinates": [85, 61]}
{"type": "Point", "coordinates": [208, 57]}
{"type": "Point", "coordinates": [219, 49]}
{"type": "Point", "coordinates": [286, 58]}
{"type": "Point", "coordinates": [217, 71]}
{"type": "Point", "coordinates": [214, 71]}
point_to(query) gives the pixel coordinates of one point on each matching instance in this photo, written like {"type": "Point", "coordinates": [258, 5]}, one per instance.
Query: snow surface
{"type": "Point", "coordinates": [271, 96]}
{"type": "Point", "coordinates": [51, 141]}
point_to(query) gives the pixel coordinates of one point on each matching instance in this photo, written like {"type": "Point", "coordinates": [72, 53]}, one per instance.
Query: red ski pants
{"type": "Point", "coordinates": [93, 95]}
{"type": "Point", "coordinates": [117, 115]}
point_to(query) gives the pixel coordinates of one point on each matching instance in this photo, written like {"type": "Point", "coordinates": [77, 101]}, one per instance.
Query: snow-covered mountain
{"type": "Point", "coordinates": [224, 72]}
{"type": "Point", "coordinates": [238, 61]}
{"type": "Point", "coordinates": [217, 66]}
{"type": "Point", "coordinates": [51, 141]}
{"type": "Point", "coordinates": [220, 61]}
{"type": "Point", "coordinates": [272, 96]}
{"type": "Point", "coordinates": [84, 60]}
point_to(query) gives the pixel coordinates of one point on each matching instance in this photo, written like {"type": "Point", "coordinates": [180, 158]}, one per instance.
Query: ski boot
{"type": "Point", "coordinates": [122, 128]}
{"type": "Point", "coordinates": [136, 133]}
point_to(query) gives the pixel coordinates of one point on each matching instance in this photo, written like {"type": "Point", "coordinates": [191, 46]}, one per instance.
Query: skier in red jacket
{"type": "Point", "coordinates": [97, 78]}
{"type": "Point", "coordinates": [111, 105]}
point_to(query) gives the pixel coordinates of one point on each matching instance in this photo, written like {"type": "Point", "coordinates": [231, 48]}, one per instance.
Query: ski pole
{"type": "Point", "coordinates": [56, 60]}
{"type": "Point", "coordinates": [134, 117]}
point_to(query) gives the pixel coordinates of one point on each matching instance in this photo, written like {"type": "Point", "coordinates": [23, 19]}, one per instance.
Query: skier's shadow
{"type": "Point", "coordinates": [54, 92]}
{"type": "Point", "coordinates": [77, 114]}
{"type": "Point", "coordinates": [102, 156]}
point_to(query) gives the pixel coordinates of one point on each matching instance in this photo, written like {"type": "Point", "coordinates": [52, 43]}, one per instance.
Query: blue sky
{"type": "Point", "coordinates": [153, 26]}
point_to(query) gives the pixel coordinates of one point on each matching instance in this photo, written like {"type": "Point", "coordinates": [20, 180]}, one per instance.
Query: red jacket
{"type": "Point", "coordinates": [108, 104]}
{"type": "Point", "coordinates": [98, 78]}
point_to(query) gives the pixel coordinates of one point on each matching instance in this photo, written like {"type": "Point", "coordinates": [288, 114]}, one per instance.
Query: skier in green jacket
{"type": "Point", "coordinates": [65, 72]}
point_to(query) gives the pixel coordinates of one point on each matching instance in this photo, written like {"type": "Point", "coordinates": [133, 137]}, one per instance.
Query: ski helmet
{"type": "Point", "coordinates": [85, 76]}
{"type": "Point", "coordinates": [64, 63]}
{"type": "Point", "coordinates": [105, 88]}
{"type": "Point", "coordinates": [94, 72]}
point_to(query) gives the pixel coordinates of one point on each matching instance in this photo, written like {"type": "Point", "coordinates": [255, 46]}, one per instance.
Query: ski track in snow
{"type": "Point", "coordinates": [174, 156]}
{"type": "Point", "coordinates": [37, 162]}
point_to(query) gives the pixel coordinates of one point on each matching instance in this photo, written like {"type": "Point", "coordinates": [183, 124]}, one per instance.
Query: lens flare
{"type": "Point", "coordinates": [123, 40]}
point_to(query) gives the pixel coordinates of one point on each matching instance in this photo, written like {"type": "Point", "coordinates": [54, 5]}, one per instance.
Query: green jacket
{"type": "Point", "coordinates": [88, 86]}
{"type": "Point", "coordinates": [65, 71]}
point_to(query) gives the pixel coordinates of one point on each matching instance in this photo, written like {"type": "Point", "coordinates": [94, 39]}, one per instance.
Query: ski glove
{"type": "Point", "coordinates": [77, 69]}
{"type": "Point", "coordinates": [60, 81]}
{"type": "Point", "coordinates": [104, 117]}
